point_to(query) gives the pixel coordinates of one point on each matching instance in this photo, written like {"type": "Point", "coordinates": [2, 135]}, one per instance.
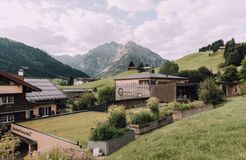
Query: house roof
{"type": "Point", "coordinates": [148, 75]}
{"type": "Point", "coordinates": [19, 80]}
{"type": "Point", "coordinates": [49, 90]}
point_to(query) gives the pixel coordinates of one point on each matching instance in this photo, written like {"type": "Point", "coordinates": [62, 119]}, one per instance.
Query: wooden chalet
{"type": "Point", "coordinates": [45, 102]}
{"type": "Point", "coordinates": [144, 85]}
{"type": "Point", "coordinates": [13, 102]}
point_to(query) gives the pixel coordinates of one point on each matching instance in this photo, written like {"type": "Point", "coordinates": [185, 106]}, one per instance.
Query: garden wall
{"type": "Point", "coordinates": [110, 146]}
{"type": "Point", "coordinates": [177, 115]}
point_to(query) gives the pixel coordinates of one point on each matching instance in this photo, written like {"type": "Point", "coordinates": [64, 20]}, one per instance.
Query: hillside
{"type": "Point", "coordinates": [99, 84]}
{"type": "Point", "coordinates": [196, 60]}
{"type": "Point", "coordinates": [112, 58]}
{"type": "Point", "coordinates": [13, 55]}
{"type": "Point", "coordinates": [216, 134]}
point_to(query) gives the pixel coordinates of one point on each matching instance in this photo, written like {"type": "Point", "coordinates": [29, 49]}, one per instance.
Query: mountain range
{"type": "Point", "coordinates": [111, 58]}
{"type": "Point", "coordinates": [14, 55]}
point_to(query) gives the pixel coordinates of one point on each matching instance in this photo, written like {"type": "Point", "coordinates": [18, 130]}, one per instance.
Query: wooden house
{"type": "Point", "coordinates": [144, 85]}
{"type": "Point", "coordinates": [13, 102]}
{"type": "Point", "coordinates": [45, 102]}
{"type": "Point", "coordinates": [230, 88]}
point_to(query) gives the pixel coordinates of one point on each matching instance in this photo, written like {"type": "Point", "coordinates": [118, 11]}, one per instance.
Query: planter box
{"type": "Point", "coordinates": [164, 121]}
{"type": "Point", "coordinates": [110, 146]}
{"type": "Point", "coordinates": [177, 115]}
{"type": "Point", "coordinates": [140, 129]}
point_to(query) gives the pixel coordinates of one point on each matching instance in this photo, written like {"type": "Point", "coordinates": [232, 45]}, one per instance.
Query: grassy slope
{"type": "Point", "coordinates": [109, 81]}
{"type": "Point", "coordinates": [196, 60]}
{"type": "Point", "coordinates": [216, 134]}
{"type": "Point", "coordinates": [74, 127]}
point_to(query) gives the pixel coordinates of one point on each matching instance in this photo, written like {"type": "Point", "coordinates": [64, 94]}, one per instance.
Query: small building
{"type": "Point", "coordinates": [144, 85]}
{"type": "Point", "coordinates": [79, 81]}
{"type": "Point", "coordinates": [75, 93]}
{"type": "Point", "coordinates": [46, 101]}
{"type": "Point", "coordinates": [13, 102]}
{"type": "Point", "coordinates": [230, 88]}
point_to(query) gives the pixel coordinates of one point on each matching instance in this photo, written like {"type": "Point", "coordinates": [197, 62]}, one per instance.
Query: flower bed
{"type": "Point", "coordinates": [143, 128]}
{"type": "Point", "coordinates": [177, 115]}
{"type": "Point", "coordinates": [164, 121]}
{"type": "Point", "coordinates": [112, 145]}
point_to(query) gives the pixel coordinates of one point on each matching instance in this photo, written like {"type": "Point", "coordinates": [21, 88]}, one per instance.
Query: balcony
{"type": "Point", "coordinates": [14, 108]}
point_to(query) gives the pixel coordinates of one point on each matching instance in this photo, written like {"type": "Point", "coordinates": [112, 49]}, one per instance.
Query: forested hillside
{"type": "Point", "coordinates": [14, 55]}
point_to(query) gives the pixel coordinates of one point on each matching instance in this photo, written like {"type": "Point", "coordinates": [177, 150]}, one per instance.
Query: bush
{"type": "Point", "coordinates": [183, 106]}
{"type": "Point", "coordinates": [210, 93]}
{"type": "Point", "coordinates": [243, 70]}
{"type": "Point", "coordinates": [86, 101]}
{"type": "Point", "coordinates": [106, 94]}
{"type": "Point", "coordinates": [117, 116]}
{"type": "Point", "coordinates": [8, 145]}
{"type": "Point", "coordinates": [230, 74]}
{"type": "Point", "coordinates": [61, 154]}
{"type": "Point", "coordinates": [170, 68]}
{"type": "Point", "coordinates": [104, 132]}
{"type": "Point", "coordinates": [142, 117]}
{"type": "Point", "coordinates": [153, 104]}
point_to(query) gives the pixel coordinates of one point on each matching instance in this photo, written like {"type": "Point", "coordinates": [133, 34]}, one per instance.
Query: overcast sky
{"type": "Point", "coordinates": [171, 28]}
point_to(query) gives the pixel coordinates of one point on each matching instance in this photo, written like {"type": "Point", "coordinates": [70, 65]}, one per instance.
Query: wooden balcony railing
{"type": "Point", "coordinates": [14, 108]}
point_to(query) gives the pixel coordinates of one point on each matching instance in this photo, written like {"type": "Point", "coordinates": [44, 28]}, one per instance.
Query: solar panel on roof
{"type": "Point", "coordinates": [49, 90]}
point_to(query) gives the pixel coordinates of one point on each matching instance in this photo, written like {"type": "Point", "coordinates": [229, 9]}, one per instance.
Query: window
{"type": "Point", "coordinates": [144, 82]}
{"type": "Point", "coordinates": [7, 100]}
{"type": "Point", "coordinates": [44, 111]}
{"type": "Point", "coordinates": [7, 118]}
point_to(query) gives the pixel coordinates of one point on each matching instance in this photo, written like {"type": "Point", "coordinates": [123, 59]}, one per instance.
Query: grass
{"type": "Point", "coordinates": [243, 87]}
{"type": "Point", "coordinates": [216, 134]}
{"type": "Point", "coordinates": [196, 60]}
{"type": "Point", "coordinates": [74, 127]}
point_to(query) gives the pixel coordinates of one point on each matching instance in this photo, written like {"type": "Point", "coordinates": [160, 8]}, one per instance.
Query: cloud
{"type": "Point", "coordinates": [131, 5]}
{"type": "Point", "coordinates": [184, 26]}
{"type": "Point", "coordinates": [57, 28]}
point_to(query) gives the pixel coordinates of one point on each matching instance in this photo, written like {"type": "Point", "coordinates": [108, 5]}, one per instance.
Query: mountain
{"type": "Point", "coordinates": [14, 55]}
{"type": "Point", "coordinates": [112, 58]}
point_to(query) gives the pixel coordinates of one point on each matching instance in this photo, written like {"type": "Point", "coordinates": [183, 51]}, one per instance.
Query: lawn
{"type": "Point", "coordinates": [196, 60]}
{"type": "Point", "coordinates": [216, 134]}
{"type": "Point", "coordinates": [74, 127]}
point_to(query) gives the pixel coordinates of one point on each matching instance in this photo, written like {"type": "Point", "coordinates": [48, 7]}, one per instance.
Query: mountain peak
{"type": "Point", "coordinates": [131, 43]}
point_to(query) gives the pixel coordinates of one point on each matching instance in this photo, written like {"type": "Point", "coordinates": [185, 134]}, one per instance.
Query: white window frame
{"type": "Point", "coordinates": [8, 100]}
{"type": "Point", "coordinates": [7, 118]}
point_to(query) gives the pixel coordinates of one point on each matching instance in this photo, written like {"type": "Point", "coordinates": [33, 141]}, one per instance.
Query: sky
{"type": "Point", "coordinates": [171, 28]}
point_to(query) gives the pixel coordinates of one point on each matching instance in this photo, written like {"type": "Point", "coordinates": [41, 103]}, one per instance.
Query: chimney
{"type": "Point", "coordinates": [21, 72]}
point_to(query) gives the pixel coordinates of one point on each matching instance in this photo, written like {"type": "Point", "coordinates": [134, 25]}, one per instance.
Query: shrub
{"type": "Point", "coordinates": [210, 93]}
{"type": "Point", "coordinates": [230, 74]}
{"type": "Point", "coordinates": [169, 67]}
{"type": "Point", "coordinates": [243, 70]}
{"type": "Point", "coordinates": [104, 132]}
{"type": "Point", "coordinates": [117, 116]}
{"type": "Point", "coordinates": [61, 154]}
{"type": "Point", "coordinates": [153, 104]}
{"type": "Point", "coordinates": [142, 117]}
{"type": "Point", "coordinates": [183, 106]}
{"type": "Point", "coordinates": [106, 94]}
{"type": "Point", "coordinates": [8, 145]}
{"type": "Point", "coordinates": [85, 101]}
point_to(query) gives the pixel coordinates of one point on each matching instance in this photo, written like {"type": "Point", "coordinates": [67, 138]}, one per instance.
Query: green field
{"type": "Point", "coordinates": [196, 60]}
{"type": "Point", "coordinates": [216, 134]}
{"type": "Point", "coordinates": [74, 127]}
{"type": "Point", "coordinates": [99, 84]}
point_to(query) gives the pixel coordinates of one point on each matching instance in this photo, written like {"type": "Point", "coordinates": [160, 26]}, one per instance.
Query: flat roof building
{"type": "Point", "coordinates": [144, 85]}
